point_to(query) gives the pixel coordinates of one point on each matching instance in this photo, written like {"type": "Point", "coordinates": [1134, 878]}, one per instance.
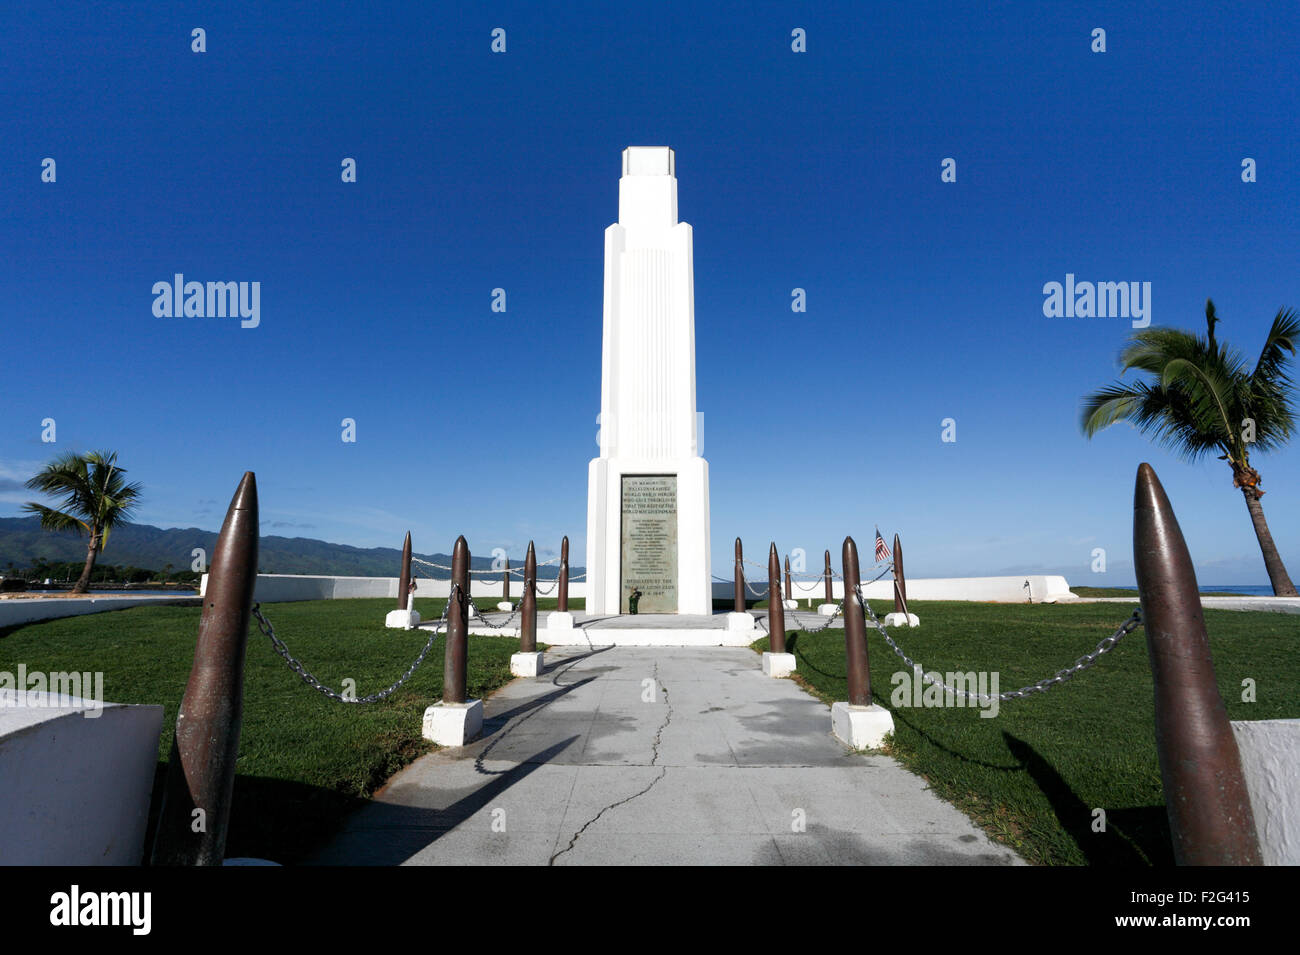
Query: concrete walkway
{"type": "Point", "coordinates": [627, 755]}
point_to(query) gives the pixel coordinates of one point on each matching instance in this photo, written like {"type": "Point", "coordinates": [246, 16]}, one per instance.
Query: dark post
{"type": "Point", "coordinates": [1210, 817]}
{"type": "Point", "coordinates": [454, 660]}
{"type": "Point", "coordinates": [855, 630]}
{"type": "Point", "coordinates": [789, 589]}
{"type": "Point", "coordinates": [830, 595]}
{"type": "Point", "coordinates": [505, 582]}
{"type": "Point", "coordinates": [740, 579]}
{"type": "Point", "coordinates": [528, 608]}
{"type": "Point", "coordinates": [563, 585]}
{"type": "Point", "coordinates": [900, 583]}
{"type": "Point", "coordinates": [775, 609]}
{"type": "Point", "coordinates": [404, 580]}
{"type": "Point", "coordinates": [201, 771]}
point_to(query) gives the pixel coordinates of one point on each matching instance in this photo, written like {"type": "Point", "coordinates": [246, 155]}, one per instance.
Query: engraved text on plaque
{"type": "Point", "coordinates": [649, 542]}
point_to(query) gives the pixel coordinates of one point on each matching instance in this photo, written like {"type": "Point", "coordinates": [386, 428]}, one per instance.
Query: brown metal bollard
{"type": "Point", "coordinates": [201, 771]}
{"type": "Point", "coordinates": [775, 609]}
{"type": "Point", "coordinates": [528, 605]}
{"type": "Point", "coordinates": [830, 595]}
{"type": "Point", "coordinates": [739, 606]}
{"type": "Point", "coordinates": [1210, 817]}
{"type": "Point", "coordinates": [855, 630]}
{"type": "Point", "coordinates": [900, 582]}
{"type": "Point", "coordinates": [563, 585]}
{"type": "Point", "coordinates": [789, 588]}
{"type": "Point", "coordinates": [454, 674]}
{"type": "Point", "coordinates": [404, 579]}
{"type": "Point", "coordinates": [505, 582]}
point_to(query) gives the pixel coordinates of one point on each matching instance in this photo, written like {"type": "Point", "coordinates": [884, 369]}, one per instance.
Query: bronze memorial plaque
{"type": "Point", "coordinates": [649, 543]}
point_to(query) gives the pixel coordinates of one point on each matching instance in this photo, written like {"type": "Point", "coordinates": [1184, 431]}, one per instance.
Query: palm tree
{"type": "Point", "coordinates": [1203, 397]}
{"type": "Point", "coordinates": [95, 500]}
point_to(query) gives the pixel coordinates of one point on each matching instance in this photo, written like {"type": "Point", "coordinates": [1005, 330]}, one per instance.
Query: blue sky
{"type": "Point", "coordinates": [476, 170]}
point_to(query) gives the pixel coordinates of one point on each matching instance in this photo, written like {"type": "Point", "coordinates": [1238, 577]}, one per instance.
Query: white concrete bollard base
{"type": "Point", "coordinates": [790, 604]}
{"type": "Point", "coordinates": [453, 724]}
{"type": "Point", "coordinates": [739, 622]}
{"type": "Point", "coordinates": [526, 664]}
{"type": "Point", "coordinates": [827, 610]}
{"type": "Point", "coordinates": [778, 665]}
{"type": "Point", "coordinates": [862, 727]}
{"type": "Point", "coordinates": [902, 620]}
{"type": "Point", "coordinates": [559, 620]}
{"type": "Point", "coordinates": [505, 606]}
{"type": "Point", "coordinates": [402, 619]}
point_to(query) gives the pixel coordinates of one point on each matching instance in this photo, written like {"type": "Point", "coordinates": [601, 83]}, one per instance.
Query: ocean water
{"type": "Point", "coordinates": [1253, 590]}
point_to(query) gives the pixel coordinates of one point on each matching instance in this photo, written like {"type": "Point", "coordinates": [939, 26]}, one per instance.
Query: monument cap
{"type": "Point", "coordinates": [648, 161]}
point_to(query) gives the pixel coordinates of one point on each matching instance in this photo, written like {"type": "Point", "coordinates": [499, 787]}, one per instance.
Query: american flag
{"type": "Point", "coordinates": [882, 552]}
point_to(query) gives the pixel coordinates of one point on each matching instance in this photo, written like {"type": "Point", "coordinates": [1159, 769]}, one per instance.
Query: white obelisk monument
{"type": "Point", "coordinates": [648, 492]}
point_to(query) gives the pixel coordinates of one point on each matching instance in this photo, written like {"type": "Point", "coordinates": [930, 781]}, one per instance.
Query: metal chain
{"type": "Point", "coordinates": [488, 623]}
{"type": "Point", "coordinates": [489, 570]}
{"type": "Point", "coordinates": [839, 609]}
{"type": "Point", "coordinates": [278, 645]}
{"type": "Point", "coordinates": [1042, 686]}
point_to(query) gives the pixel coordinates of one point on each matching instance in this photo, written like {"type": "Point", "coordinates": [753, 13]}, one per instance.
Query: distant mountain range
{"type": "Point", "coordinates": [142, 545]}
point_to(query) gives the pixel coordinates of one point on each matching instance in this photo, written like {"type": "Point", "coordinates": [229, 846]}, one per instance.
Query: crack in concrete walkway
{"type": "Point", "coordinates": [668, 717]}
{"type": "Point", "coordinates": [574, 769]}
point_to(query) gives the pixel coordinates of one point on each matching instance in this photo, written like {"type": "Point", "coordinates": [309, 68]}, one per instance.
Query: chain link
{"type": "Point", "coordinates": [488, 570]}
{"type": "Point", "coordinates": [488, 623]}
{"type": "Point", "coordinates": [278, 645]}
{"type": "Point", "coordinates": [1042, 686]}
{"type": "Point", "coordinates": [839, 609]}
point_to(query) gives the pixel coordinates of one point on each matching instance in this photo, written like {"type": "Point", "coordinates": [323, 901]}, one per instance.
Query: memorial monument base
{"type": "Point", "coordinates": [861, 727]}
{"type": "Point", "coordinates": [402, 619]}
{"type": "Point", "coordinates": [778, 665]}
{"type": "Point", "coordinates": [526, 664]}
{"type": "Point", "coordinates": [687, 549]}
{"type": "Point", "coordinates": [453, 724]}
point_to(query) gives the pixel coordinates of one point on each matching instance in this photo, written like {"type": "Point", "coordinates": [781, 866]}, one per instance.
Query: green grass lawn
{"type": "Point", "coordinates": [1032, 775]}
{"type": "Point", "coordinates": [304, 760]}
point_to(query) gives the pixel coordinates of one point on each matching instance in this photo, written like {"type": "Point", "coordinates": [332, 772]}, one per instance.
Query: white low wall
{"type": "Point", "coordinates": [76, 788]}
{"type": "Point", "coordinates": [279, 588]}
{"type": "Point", "coordinates": [1042, 588]}
{"type": "Point", "coordinates": [274, 588]}
{"type": "Point", "coordinates": [31, 609]}
{"type": "Point", "coordinates": [1270, 760]}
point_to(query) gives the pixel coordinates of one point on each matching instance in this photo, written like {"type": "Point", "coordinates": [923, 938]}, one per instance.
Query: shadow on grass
{"type": "Point", "coordinates": [1136, 836]}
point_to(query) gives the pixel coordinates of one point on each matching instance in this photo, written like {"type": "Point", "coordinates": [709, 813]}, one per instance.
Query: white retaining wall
{"type": "Point", "coordinates": [1043, 589]}
{"type": "Point", "coordinates": [273, 588]}
{"type": "Point", "coordinates": [31, 609]}
{"type": "Point", "coordinates": [76, 788]}
{"type": "Point", "coordinates": [1270, 760]}
{"type": "Point", "coordinates": [278, 588]}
